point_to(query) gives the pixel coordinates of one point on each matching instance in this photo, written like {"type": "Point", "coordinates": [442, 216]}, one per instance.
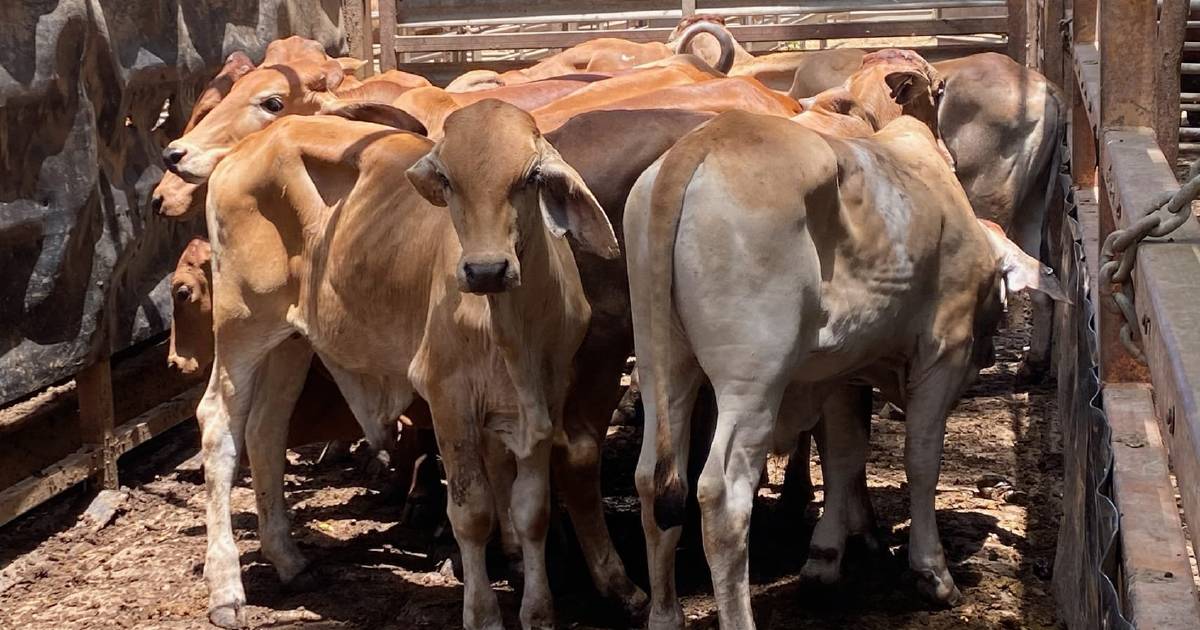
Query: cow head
{"type": "Point", "coordinates": [1013, 270]}
{"type": "Point", "coordinates": [259, 98]}
{"type": "Point", "coordinates": [191, 347]}
{"type": "Point", "coordinates": [891, 83]}
{"type": "Point", "coordinates": [174, 197]}
{"type": "Point", "coordinates": [508, 190]}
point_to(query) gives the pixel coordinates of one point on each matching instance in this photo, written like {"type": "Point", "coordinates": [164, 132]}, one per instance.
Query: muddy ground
{"type": "Point", "coordinates": [998, 505]}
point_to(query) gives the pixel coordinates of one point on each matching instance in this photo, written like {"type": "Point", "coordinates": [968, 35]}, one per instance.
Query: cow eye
{"type": "Point", "coordinates": [273, 104]}
{"type": "Point", "coordinates": [535, 175]}
{"type": "Point", "coordinates": [443, 180]}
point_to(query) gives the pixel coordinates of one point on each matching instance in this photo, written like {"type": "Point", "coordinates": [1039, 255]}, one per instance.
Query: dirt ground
{"type": "Point", "coordinates": [998, 505]}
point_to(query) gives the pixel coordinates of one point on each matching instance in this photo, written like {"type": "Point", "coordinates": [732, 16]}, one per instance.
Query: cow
{"type": "Point", "coordinates": [178, 199]}
{"type": "Point", "coordinates": [321, 413]}
{"type": "Point", "coordinates": [859, 262]}
{"type": "Point", "coordinates": [800, 73]}
{"type": "Point", "coordinates": [715, 95]}
{"type": "Point", "coordinates": [603, 54]}
{"type": "Point", "coordinates": [430, 334]}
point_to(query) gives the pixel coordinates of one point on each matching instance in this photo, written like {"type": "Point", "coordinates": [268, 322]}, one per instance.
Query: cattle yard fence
{"type": "Point", "coordinates": [441, 39]}
{"type": "Point", "coordinates": [1131, 431]}
{"type": "Point", "coordinates": [1127, 407]}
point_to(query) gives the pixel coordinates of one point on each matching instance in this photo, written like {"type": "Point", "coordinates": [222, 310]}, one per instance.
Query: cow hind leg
{"type": "Point", "coordinates": [930, 401]}
{"type": "Point", "coordinates": [727, 487]}
{"type": "Point", "coordinates": [843, 438]}
{"type": "Point", "coordinates": [502, 474]}
{"type": "Point", "coordinates": [683, 385]}
{"type": "Point", "coordinates": [577, 473]}
{"type": "Point", "coordinates": [223, 413]}
{"type": "Point", "coordinates": [276, 391]}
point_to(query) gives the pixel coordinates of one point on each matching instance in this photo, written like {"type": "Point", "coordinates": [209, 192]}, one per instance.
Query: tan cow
{"type": "Point", "coordinates": [320, 413]}
{"type": "Point", "coordinates": [805, 73]}
{"type": "Point", "coordinates": [310, 218]}
{"type": "Point", "coordinates": [858, 262]}
{"type": "Point", "coordinates": [603, 54]}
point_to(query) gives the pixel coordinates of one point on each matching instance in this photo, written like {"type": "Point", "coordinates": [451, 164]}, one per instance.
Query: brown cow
{"type": "Point", "coordinates": [321, 413]}
{"type": "Point", "coordinates": [603, 54]}
{"type": "Point", "coordinates": [421, 327]}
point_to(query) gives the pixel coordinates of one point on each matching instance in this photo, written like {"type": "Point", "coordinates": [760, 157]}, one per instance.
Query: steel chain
{"type": "Point", "coordinates": [1119, 253]}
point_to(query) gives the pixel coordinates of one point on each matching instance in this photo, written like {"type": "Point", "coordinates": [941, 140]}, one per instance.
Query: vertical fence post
{"type": "Point", "coordinates": [1051, 58]}
{"type": "Point", "coordinates": [1083, 142]}
{"type": "Point", "coordinates": [1128, 31]}
{"type": "Point", "coordinates": [688, 7]}
{"type": "Point", "coordinates": [1172, 27]}
{"type": "Point", "coordinates": [1017, 30]}
{"type": "Point", "coordinates": [96, 418]}
{"type": "Point", "coordinates": [387, 35]}
{"type": "Point", "coordinates": [357, 24]}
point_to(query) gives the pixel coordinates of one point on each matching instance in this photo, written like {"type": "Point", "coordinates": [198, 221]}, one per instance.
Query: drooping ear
{"type": "Point", "coordinates": [906, 85]}
{"type": "Point", "coordinates": [1020, 270]}
{"type": "Point", "coordinates": [428, 180]}
{"type": "Point", "coordinates": [237, 64]}
{"type": "Point", "coordinates": [328, 76]}
{"type": "Point", "coordinates": [350, 65]}
{"type": "Point", "coordinates": [568, 206]}
{"type": "Point", "coordinates": [373, 112]}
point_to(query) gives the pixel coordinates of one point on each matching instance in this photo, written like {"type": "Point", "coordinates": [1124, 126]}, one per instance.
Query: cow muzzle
{"type": "Point", "coordinates": [488, 276]}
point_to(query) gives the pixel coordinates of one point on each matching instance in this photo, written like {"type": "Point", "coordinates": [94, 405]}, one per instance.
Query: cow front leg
{"type": "Point", "coordinates": [932, 396]}
{"type": "Point", "coordinates": [843, 438]}
{"type": "Point", "coordinates": [530, 514]}
{"type": "Point", "coordinates": [469, 507]}
{"type": "Point", "coordinates": [280, 380]}
{"type": "Point", "coordinates": [223, 413]}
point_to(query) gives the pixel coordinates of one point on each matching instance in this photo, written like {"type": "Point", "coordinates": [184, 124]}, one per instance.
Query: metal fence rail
{"type": "Point", "coordinates": [1120, 63]}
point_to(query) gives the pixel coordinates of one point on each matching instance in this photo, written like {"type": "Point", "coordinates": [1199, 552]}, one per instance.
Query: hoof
{"type": "Point", "coordinates": [304, 582]}
{"type": "Point", "coordinates": [1032, 373]}
{"type": "Point", "coordinates": [669, 621]}
{"type": "Point", "coordinates": [937, 589]}
{"type": "Point", "coordinates": [823, 573]}
{"type": "Point", "coordinates": [228, 616]}
{"type": "Point", "coordinates": [636, 606]}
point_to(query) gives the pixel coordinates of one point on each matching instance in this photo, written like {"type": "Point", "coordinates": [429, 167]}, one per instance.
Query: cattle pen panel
{"type": "Point", "coordinates": [441, 40]}
{"type": "Point", "coordinates": [89, 95]}
{"type": "Point", "coordinates": [1123, 551]}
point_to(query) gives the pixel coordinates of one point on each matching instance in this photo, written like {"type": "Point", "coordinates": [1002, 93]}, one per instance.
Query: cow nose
{"type": "Point", "coordinates": [172, 156]}
{"type": "Point", "coordinates": [485, 277]}
{"type": "Point", "coordinates": [156, 203]}
{"type": "Point", "coordinates": [183, 293]}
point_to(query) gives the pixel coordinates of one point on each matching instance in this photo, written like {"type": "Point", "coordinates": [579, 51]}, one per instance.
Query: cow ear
{"type": "Point", "coordinates": [350, 65]}
{"type": "Point", "coordinates": [372, 112]}
{"type": "Point", "coordinates": [328, 77]}
{"type": "Point", "coordinates": [569, 206]}
{"type": "Point", "coordinates": [237, 65]}
{"type": "Point", "coordinates": [1020, 270]}
{"type": "Point", "coordinates": [906, 85]}
{"type": "Point", "coordinates": [428, 180]}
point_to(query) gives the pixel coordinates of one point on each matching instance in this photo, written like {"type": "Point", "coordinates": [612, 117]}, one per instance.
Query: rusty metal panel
{"type": "Point", "coordinates": [85, 262]}
{"type": "Point", "coordinates": [1159, 591]}
{"type": "Point", "coordinates": [1086, 557]}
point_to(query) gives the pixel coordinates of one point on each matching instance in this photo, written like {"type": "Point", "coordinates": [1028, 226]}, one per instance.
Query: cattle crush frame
{"type": "Point", "coordinates": [1123, 550]}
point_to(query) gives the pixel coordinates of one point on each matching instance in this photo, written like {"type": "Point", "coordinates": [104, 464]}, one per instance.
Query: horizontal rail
{"type": "Point", "coordinates": [1166, 284]}
{"type": "Point", "coordinates": [442, 73]}
{"type": "Point", "coordinates": [776, 32]}
{"type": "Point", "coordinates": [78, 467]}
{"type": "Point", "coordinates": [1154, 558]}
{"type": "Point", "coordinates": [434, 10]}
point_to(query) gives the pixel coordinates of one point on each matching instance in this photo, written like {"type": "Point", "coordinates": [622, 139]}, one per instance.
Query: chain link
{"type": "Point", "coordinates": [1119, 253]}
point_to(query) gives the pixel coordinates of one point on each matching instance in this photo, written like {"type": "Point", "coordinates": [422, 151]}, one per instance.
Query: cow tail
{"type": "Point", "coordinates": [725, 62]}
{"type": "Point", "coordinates": [666, 207]}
